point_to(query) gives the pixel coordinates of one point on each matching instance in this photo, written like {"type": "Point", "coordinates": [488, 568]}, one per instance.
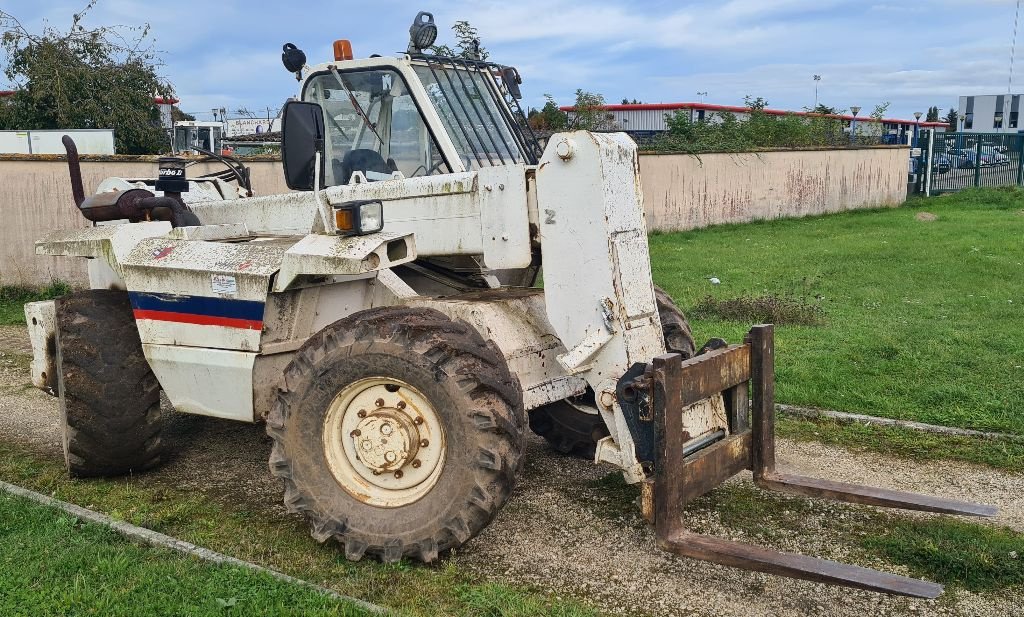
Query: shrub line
{"type": "Point", "coordinates": [155, 538]}
{"type": "Point", "coordinates": [843, 417]}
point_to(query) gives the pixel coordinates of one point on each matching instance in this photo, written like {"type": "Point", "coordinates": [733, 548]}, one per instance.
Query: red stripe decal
{"type": "Point", "coordinates": [199, 320]}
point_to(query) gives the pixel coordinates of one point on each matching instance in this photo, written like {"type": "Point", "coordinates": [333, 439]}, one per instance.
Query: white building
{"type": "Point", "coordinates": [990, 113]}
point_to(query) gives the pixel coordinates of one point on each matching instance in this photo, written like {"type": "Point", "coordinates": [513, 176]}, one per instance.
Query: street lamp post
{"type": "Point", "coordinates": [917, 127]}
{"type": "Point", "coordinates": [853, 124]}
{"type": "Point", "coordinates": [701, 95]}
{"type": "Point", "coordinates": [817, 78]}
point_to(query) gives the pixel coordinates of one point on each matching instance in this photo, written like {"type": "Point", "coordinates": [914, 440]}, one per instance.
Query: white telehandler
{"type": "Point", "coordinates": [384, 320]}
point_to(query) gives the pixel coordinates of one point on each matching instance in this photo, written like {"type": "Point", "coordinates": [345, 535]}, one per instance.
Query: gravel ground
{"type": "Point", "coordinates": [567, 537]}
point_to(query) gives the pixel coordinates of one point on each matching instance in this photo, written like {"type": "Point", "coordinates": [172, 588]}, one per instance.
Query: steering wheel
{"type": "Point", "coordinates": [428, 172]}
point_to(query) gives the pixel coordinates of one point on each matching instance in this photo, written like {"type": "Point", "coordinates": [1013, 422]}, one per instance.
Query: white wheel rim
{"type": "Point", "coordinates": [384, 442]}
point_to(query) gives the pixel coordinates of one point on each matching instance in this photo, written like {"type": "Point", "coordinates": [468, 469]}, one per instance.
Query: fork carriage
{"type": "Point", "coordinates": [745, 376]}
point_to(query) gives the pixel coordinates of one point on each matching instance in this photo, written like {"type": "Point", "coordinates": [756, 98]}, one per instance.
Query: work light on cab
{"type": "Point", "coordinates": [358, 218]}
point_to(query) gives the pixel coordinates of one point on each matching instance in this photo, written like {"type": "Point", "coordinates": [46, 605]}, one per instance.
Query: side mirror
{"type": "Point", "coordinates": [302, 136]}
{"type": "Point", "coordinates": [511, 77]}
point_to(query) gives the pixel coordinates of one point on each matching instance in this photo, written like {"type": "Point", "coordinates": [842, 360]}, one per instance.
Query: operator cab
{"type": "Point", "coordinates": [414, 115]}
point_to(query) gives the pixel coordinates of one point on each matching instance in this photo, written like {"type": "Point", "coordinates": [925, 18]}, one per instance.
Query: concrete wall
{"type": "Point", "coordinates": [680, 192]}
{"type": "Point", "coordinates": [687, 192]}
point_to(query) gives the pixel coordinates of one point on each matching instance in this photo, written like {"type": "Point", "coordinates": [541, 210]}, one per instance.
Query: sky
{"type": "Point", "coordinates": [911, 53]}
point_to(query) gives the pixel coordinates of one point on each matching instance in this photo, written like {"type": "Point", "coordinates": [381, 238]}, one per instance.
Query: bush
{"type": "Point", "coordinates": [725, 133]}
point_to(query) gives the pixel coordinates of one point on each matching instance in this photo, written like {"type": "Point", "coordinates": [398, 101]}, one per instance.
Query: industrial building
{"type": "Point", "coordinates": [990, 113]}
{"type": "Point", "coordinates": [647, 120]}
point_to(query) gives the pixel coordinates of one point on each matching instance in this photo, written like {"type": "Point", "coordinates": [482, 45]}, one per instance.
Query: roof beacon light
{"type": "Point", "coordinates": [342, 50]}
{"type": "Point", "coordinates": [422, 32]}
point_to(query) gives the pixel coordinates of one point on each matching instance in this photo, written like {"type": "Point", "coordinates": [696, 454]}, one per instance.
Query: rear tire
{"type": "Point", "coordinates": [357, 399]}
{"type": "Point", "coordinates": [571, 431]}
{"type": "Point", "coordinates": [109, 397]}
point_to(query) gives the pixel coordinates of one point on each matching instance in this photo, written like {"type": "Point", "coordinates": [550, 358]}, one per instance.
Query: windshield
{"type": "Point", "coordinates": [478, 126]}
{"type": "Point", "coordinates": [373, 126]}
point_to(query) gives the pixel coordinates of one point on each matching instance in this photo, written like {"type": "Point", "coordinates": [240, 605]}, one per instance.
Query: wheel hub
{"type": "Point", "coordinates": [384, 442]}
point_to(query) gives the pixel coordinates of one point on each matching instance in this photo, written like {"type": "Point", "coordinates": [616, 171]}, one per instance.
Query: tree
{"type": "Point", "coordinates": [550, 117]}
{"type": "Point", "coordinates": [589, 113]}
{"type": "Point", "coordinates": [824, 110]}
{"type": "Point", "coordinates": [933, 114]}
{"type": "Point", "coordinates": [85, 78]}
{"type": "Point", "coordinates": [467, 44]}
{"type": "Point", "coordinates": [952, 118]}
{"type": "Point", "coordinates": [879, 111]}
{"type": "Point", "coordinates": [179, 116]}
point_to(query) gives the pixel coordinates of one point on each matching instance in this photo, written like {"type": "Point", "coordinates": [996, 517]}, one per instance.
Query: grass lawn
{"type": "Point", "coordinates": [14, 297]}
{"type": "Point", "coordinates": [920, 320]}
{"type": "Point", "coordinates": [54, 564]}
{"type": "Point", "coordinates": [280, 542]}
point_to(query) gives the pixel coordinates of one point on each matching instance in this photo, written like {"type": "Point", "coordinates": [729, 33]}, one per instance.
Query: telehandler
{"type": "Point", "coordinates": [384, 321]}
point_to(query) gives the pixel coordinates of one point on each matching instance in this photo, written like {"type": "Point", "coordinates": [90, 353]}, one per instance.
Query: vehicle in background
{"type": "Point", "coordinates": [968, 158]}
{"type": "Point", "coordinates": [995, 155]}
{"type": "Point", "coordinates": [941, 164]}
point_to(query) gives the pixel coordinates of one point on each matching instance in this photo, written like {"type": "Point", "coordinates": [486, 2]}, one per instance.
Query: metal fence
{"type": "Point", "coordinates": [955, 161]}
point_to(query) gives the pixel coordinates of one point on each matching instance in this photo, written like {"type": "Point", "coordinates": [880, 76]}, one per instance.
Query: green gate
{"type": "Point", "coordinates": [961, 160]}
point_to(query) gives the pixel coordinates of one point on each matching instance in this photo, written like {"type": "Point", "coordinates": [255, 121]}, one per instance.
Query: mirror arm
{"type": "Point", "coordinates": [322, 207]}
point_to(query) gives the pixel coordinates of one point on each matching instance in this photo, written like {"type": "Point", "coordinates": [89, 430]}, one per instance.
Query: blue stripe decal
{"type": "Point", "coordinates": [197, 305]}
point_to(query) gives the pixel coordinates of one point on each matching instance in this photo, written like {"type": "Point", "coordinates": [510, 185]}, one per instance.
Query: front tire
{"type": "Point", "coordinates": [398, 433]}
{"type": "Point", "coordinates": [571, 431]}
{"type": "Point", "coordinates": [109, 397]}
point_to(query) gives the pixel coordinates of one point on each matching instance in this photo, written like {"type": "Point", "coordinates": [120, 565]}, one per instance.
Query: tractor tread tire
{"type": "Point", "coordinates": [674, 325]}
{"type": "Point", "coordinates": [487, 407]}
{"type": "Point", "coordinates": [576, 433]}
{"type": "Point", "coordinates": [109, 397]}
{"type": "Point", "coordinates": [567, 429]}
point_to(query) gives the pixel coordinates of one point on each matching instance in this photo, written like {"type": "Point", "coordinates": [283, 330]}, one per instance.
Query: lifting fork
{"type": "Point", "coordinates": [673, 384]}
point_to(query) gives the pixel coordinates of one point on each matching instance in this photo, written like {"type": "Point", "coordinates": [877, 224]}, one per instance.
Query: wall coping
{"type": "Point", "coordinates": [273, 158]}
{"type": "Point", "coordinates": [124, 158]}
{"type": "Point", "coordinates": [769, 150]}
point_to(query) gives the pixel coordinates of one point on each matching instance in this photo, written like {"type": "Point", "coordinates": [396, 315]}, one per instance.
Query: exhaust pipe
{"type": "Point", "coordinates": [74, 170]}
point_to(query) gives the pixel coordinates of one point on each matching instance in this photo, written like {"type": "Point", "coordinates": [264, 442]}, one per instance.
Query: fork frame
{"type": "Point", "coordinates": [679, 479]}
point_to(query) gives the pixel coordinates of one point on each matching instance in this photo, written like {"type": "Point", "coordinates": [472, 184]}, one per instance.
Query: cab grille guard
{"type": "Point", "coordinates": [671, 384]}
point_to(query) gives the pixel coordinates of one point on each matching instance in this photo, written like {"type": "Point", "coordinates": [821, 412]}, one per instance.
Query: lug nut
{"type": "Point", "coordinates": [418, 420]}
{"type": "Point", "coordinates": [416, 463]}
{"type": "Point", "coordinates": [424, 443]}
{"type": "Point", "coordinates": [380, 402]}
{"type": "Point", "coordinates": [398, 474]}
{"type": "Point", "coordinates": [390, 457]}
{"type": "Point", "coordinates": [386, 429]}
{"type": "Point", "coordinates": [356, 433]}
{"type": "Point", "coordinates": [362, 413]}
{"type": "Point", "coordinates": [401, 405]}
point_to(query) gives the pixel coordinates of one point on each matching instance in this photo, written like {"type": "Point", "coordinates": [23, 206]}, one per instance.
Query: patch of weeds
{"type": "Point", "coordinates": [768, 308]}
{"type": "Point", "coordinates": [610, 497]}
{"type": "Point", "coordinates": [746, 508]}
{"type": "Point", "coordinates": [997, 453]}
{"type": "Point", "coordinates": [14, 297]}
{"type": "Point", "coordinates": [494, 600]}
{"type": "Point", "coordinates": [947, 550]}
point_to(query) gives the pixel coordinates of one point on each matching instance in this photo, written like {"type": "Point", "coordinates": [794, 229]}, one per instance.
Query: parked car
{"type": "Point", "coordinates": [996, 157]}
{"type": "Point", "coordinates": [968, 159]}
{"type": "Point", "coordinates": [941, 164]}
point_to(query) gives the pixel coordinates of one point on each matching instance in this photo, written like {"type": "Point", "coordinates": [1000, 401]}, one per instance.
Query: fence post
{"type": "Point", "coordinates": [929, 161]}
{"type": "Point", "coordinates": [1020, 160]}
{"type": "Point", "coordinates": [977, 163]}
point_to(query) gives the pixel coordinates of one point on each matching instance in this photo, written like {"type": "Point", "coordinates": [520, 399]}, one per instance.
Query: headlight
{"type": "Point", "coordinates": [358, 218]}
